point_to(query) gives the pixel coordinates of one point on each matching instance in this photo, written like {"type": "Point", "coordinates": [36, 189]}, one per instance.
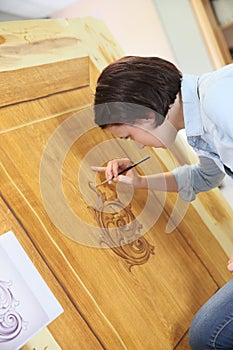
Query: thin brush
{"type": "Point", "coordinates": [124, 170]}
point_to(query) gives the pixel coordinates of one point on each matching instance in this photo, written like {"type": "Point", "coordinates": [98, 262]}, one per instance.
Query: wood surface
{"type": "Point", "coordinates": [71, 318]}
{"type": "Point", "coordinates": [139, 295]}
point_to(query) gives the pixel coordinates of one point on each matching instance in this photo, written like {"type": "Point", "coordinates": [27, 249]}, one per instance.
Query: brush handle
{"type": "Point", "coordinates": [132, 166]}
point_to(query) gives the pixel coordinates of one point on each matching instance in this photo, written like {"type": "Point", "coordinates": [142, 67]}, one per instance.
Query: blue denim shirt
{"type": "Point", "coordinates": [208, 116]}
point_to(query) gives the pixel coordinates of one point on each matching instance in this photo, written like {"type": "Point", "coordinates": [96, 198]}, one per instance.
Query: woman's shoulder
{"type": "Point", "coordinates": [216, 97]}
{"type": "Point", "coordinates": [207, 80]}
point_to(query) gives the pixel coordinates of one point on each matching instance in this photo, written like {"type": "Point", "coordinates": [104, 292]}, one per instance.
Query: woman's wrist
{"type": "Point", "coordinates": [141, 183]}
{"type": "Point", "coordinates": [158, 182]}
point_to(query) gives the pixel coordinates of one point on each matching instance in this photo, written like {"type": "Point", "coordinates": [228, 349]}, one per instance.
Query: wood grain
{"type": "Point", "coordinates": [54, 106]}
{"type": "Point", "coordinates": [48, 144]}
{"type": "Point", "coordinates": [67, 338]}
{"type": "Point", "coordinates": [30, 83]}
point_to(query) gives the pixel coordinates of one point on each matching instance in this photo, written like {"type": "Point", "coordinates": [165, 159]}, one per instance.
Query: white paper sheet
{"type": "Point", "coordinates": [26, 303]}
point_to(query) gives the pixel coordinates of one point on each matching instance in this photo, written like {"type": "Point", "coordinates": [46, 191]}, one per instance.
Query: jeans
{"type": "Point", "coordinates": [212, 326]}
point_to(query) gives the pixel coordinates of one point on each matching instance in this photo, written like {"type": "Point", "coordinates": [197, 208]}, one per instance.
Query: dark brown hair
{"type": "Point", "coordinates": [150, 83]}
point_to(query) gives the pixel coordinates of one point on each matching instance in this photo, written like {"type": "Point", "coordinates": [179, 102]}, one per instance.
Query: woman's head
{"type": "Point", "coordinates": [134, 88]}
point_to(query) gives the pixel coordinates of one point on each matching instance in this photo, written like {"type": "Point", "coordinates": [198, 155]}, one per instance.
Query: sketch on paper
{"type": "Point", "coordinates": [26, 303]}
{"type": "Point", "coordinates": [11, 322]}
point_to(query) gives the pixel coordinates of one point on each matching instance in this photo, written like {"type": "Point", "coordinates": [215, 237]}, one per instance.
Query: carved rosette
{"type": "Point", "coordinates": [120, 230]}
{"type": "Point", "coordinates": [11, 323]}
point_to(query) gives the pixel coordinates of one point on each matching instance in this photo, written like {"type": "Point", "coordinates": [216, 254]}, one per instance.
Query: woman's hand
{"type": "Point", "coordinates": [156, 182]}
{"type": "Point", "coordinates": [114, 167]}
{"type": "Point", "coordinates": [230, 264]}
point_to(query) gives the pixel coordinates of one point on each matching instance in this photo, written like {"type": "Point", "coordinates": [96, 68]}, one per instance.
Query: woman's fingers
{"type": "Point", "coordinates": [125, 179]}
{"type": "Point", "coordinates": [230, 267]}
{"type": "Point", "coordinates": [113, 168]}
{"type": "Point", "coordinates": [98, 168]}
{"type": "Point", "coordinates": [101, 169]}
{"type": "Point", "coordinates": [230, 264]}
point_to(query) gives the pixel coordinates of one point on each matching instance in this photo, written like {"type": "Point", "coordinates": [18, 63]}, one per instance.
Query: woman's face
{"type": "Point", "coordinates": [145, 134]}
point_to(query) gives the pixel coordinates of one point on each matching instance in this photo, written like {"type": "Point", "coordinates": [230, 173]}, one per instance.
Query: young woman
{"type": "Point", "coordinates": [148, 100]}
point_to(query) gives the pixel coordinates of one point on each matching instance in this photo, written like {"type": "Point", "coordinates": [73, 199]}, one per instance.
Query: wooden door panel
{"type": "Point", "coordinates": [123, 281]}
{"type": "Point", "coordinates": [158, 296]}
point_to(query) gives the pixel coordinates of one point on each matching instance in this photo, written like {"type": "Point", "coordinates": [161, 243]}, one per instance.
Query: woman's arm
{"type": "Point", "coordinates": [196, 178]}
{"type": "Point", "coordinates": [188, 180]}
{"type": "Point", "coordinates": [159, 182]}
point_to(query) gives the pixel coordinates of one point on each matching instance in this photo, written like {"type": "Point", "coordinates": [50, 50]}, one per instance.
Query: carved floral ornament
{"type": "Point", "coordinates": [121, 231]}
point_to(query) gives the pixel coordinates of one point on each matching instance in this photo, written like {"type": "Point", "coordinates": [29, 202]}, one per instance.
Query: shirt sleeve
{"type": "Point", "coordinates": [217, 106]}
{"type": "Point", "coordinates": [217, 101]}
{"type": "Point", "coordinates": [195, 178]}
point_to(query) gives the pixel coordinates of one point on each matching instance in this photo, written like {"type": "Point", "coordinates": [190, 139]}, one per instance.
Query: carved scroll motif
{"type": "Point", "coordinates": [11, 323]}
{"type": "Point", "coordinates": [120, 230]}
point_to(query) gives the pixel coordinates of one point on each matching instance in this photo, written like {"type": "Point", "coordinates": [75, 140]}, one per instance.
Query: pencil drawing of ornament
{"type": "Point", "coordinates": [11, 322]}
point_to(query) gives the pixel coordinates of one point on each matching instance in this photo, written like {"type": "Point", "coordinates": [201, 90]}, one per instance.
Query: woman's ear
{"type": "Point", "coordinates": [155, 119]}
{"type": "Point", "coordinates": [150, 116]}
{"type": "Point", "coordinates": [149, 119]}
{"type": "Point", "coordinates": [147, 123]}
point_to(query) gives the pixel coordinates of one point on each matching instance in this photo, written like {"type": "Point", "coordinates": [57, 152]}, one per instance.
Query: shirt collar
{"type": "Point", "coordinates": [191, 105]}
